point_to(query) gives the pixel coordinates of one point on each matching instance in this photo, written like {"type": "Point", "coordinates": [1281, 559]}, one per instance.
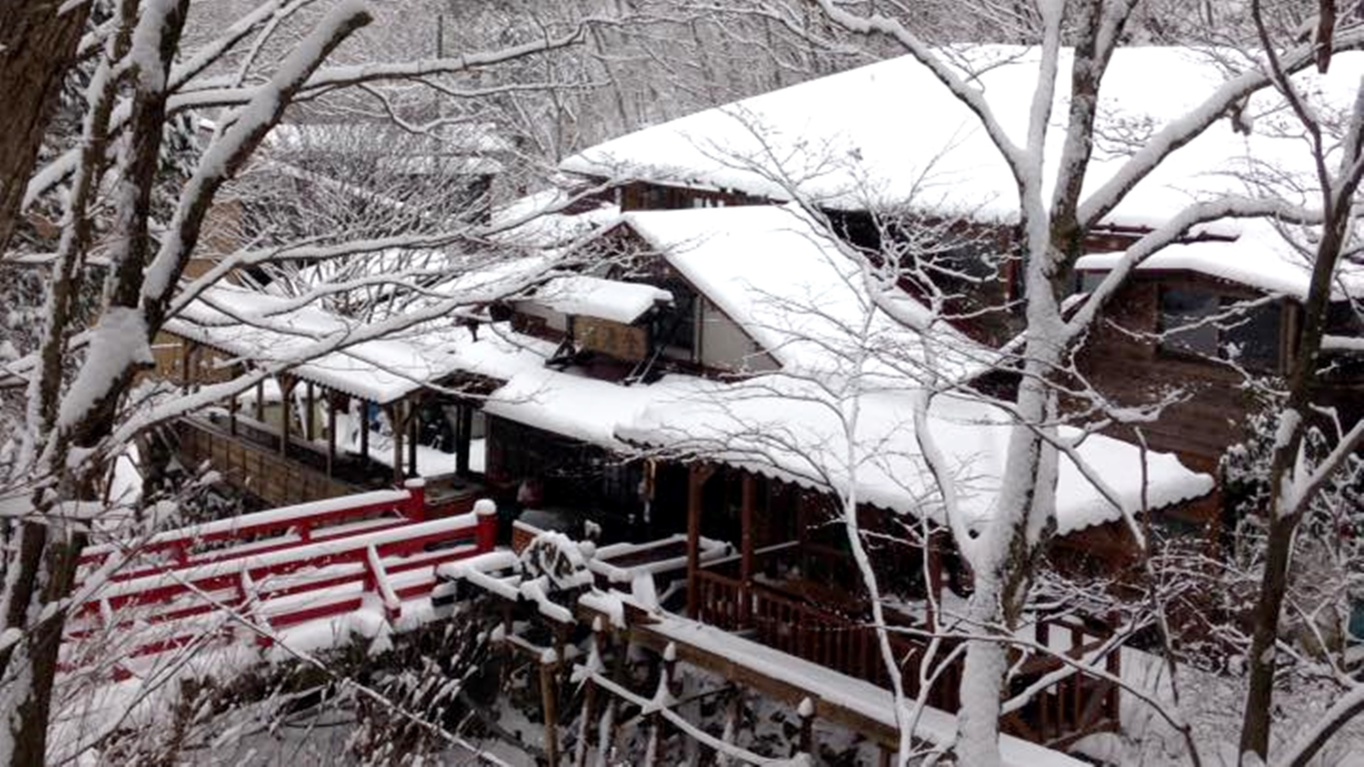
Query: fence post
{"type": "Point", "coordinates": [415, 506]}
{"type": "Point", "coordinates": [485, 536]}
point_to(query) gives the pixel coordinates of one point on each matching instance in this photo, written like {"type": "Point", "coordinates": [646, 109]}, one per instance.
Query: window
{"type": "Point", "coordinates": [1210, 325]}
{"type": "Point", "coordinates": [1185, 320]}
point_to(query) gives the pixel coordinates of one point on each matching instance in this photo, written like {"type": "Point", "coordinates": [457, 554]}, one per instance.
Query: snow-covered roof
{"type": "Point", "coordinates": [1261, 257]}
{"type": "Point", "coordinates": [269, 329]}
{"type": "Point", "coordinates": [585, 409]}
{"type": "Point", "coordinates": [538, 220]}
{"type": "Point", "coordinates": [589, 296]}
{"type": "Point", "coordinates": [797, 431]}
{"type": "Point", "coordinates": [788, 284]}
{"type": "Point", "coordinates": [890, 133]}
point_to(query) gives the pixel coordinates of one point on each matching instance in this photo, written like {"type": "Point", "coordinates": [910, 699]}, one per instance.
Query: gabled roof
{"type": "Point", "coordinates": [890, 133]}
{"type": "Point", "coordinates": [788, 283]}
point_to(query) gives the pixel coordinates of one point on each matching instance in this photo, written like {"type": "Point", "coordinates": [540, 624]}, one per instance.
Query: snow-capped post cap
{"type": "Point", "coordinates": [670, 652]}
{"type": "Point", "coordinates": [806, 709]}
{"type": "Point", "coordinates": [415, 483]}
{"type": "Point", "coordinates": [485, 507]}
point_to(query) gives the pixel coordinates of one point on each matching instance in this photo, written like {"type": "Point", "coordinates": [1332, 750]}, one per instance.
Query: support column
{"type": "Point", "coordinates": [748, 502]}
{"type": "Point", "coordinates": [413, 421]}
{"type": "Point", "coordinates": [310, 416]}
{"type": "Point", "coordinates": [696, 482]}
{"type": "Point", "coordinates": [232, 405]}
{"type": "Point", "coordinates": [331, 434]}
{"type": "Point", "coordinates": [286, 390]}
{"type": "Point", "coordinates": [464, 436]}
{"type": "Point", "coordinates": [364, 428]}
{"type": "Point", "coordinates": [395, 420]}
{"type": "Point", "coordinates": [260, 401]}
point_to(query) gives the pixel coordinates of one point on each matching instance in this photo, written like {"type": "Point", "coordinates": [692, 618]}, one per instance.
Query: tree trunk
{"type": "Point", "coordinates": [37, 48]}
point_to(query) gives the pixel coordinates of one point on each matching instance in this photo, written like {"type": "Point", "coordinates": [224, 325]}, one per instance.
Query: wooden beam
{"type": "Point", "coordinates": [260, 401]}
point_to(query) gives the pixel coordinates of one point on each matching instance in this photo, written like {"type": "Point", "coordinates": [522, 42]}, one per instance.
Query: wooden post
{"type": "Point", "coordinates": [286, 390]}
{"type": "Point", "coordinates": [232, 405]}
{"type": "Point", "coordinates": [310, 418]}
{"type": "Point", "coordinates": [260, 401]}
{"type": "Point", "coordinates": [551, 703]}
{"type": "Point", "coordinates": [364, 429]}
{"type": "Point", "coordinates": [594, 663]}
{"type": "Point", "coordinates": [331, 434]}
{"type": "Point", "coordinates": [413, 420]}
{"type": "Point", "coordinates": [464, 436]}
{"type": "Point", "coordinates": [186, 365]}
{"type": "Point", "coordinates": [696, 482]}
{"type": "Point", "coordinates": [806, 712]}
{"type": "Point", "coordinates": [749, 500]}
{"type": "Point", "coordinates": [395, 420]}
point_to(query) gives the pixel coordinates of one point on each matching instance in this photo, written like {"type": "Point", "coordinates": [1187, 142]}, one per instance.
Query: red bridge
{"type": "Point", "coordinates": [255, 574]}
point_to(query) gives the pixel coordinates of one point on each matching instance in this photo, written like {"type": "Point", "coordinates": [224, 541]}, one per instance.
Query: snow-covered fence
{"type": "Point", "coordinates": [316, 561]}
{"type": "Point", "coordinates": [262, 531]}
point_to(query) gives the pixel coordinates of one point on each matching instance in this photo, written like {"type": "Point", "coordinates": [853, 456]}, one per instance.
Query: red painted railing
{"type": "Point", "coordinates": [283, 567]}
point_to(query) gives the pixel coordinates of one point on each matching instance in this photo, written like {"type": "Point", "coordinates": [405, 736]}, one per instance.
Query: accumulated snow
{"type": "Point", "coordinates": [270, 329]}
{"type": "Point", "coordinates": [585, 409]}
{"type": "Point", "coordinates": [798, 432]}
{"type": "Point", "coordinates": [862, 137]}
{"type": "Point", "coordinates": [786, 282]}
{"type": "Point", "coordinates": [613, 300]}
{"type": "Point", "coordinates": [1260, 257]}
{"type": "Point", "coordinates": [538, 221]}
{"type": "Point", "coordinates": [829, 686]}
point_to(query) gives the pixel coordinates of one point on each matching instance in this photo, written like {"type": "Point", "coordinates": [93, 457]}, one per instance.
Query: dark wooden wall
{"type": "Point", "coordinates": [1132, 370]}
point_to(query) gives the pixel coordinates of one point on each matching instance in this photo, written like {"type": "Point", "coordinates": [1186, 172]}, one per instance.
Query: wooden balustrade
{"type": "Point", "coordinates": [1075, 705]}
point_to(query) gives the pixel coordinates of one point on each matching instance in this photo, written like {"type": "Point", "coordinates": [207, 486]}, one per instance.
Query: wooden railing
{"type": "Point", "coordinates": [283, 566]}
{"type": "Point", "coordinates": [1076, 704]}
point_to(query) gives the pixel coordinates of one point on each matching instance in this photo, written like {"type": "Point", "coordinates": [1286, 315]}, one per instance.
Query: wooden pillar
{"type": "Point", "coordinates": [260, 401]}
{"type": "Point", "coordinates": [310, 417]}
{"type": "Point", "coordinates": [464, 436]}
{"type": "Point", "coordinates": [286, 390]}
{"type": "Point", "coordinates": [331, 434]}
{"type": "Point", "coordinates": [395, 420]}
{"type": "Point", "coordinates": [549, 695]}
{"type": "Point", "coordinates": [413, 420]}
{"type": "Point", "coordinates": [232, 405]}
{"type": "Point", "coordinates": [746, 509]}
{"type": "Point", "coordinates": [186, 365]}
{"type": "Point", "coordinates": [696, 482]}
{"type": "Point", "coordinates": [364, 428]}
